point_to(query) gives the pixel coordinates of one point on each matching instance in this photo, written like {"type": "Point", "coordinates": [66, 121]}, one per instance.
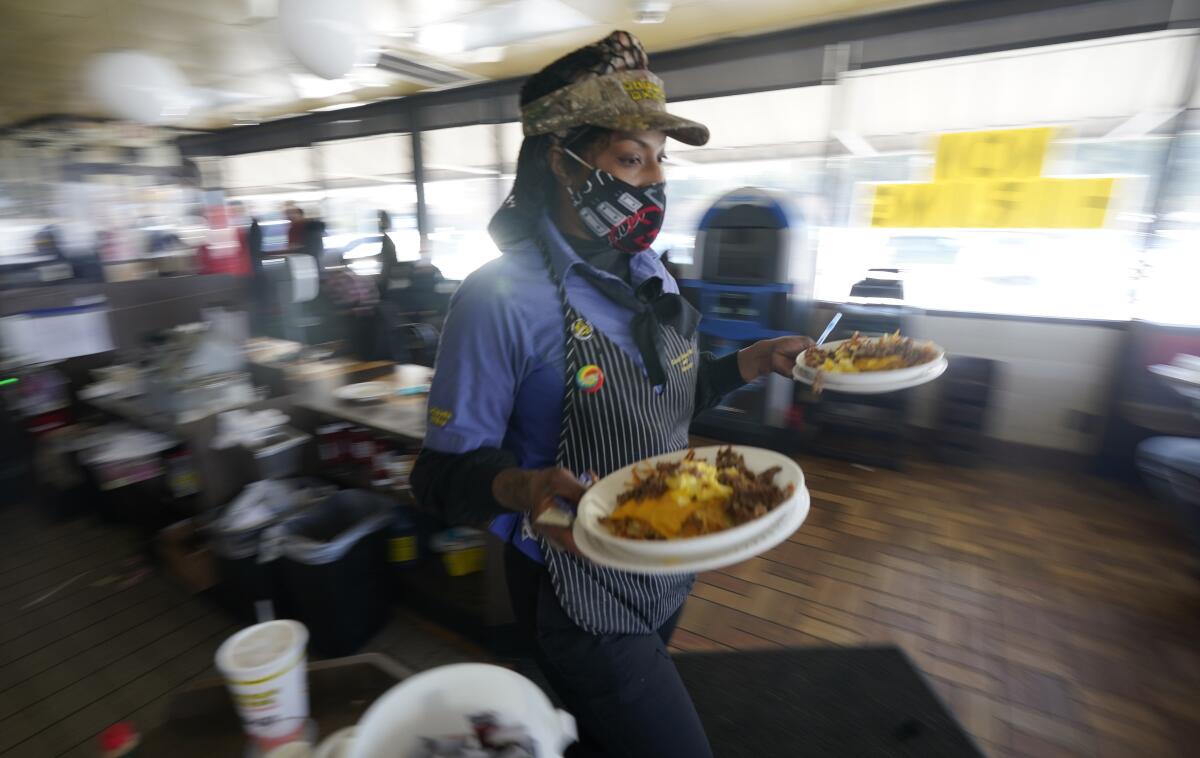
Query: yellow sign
{"type": "Point", "coordinates": [992, 180]}
{"type": "Point", "coordinates": [999, 154]}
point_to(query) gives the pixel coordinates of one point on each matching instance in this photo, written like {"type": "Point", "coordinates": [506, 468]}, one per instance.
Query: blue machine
{"type": "Point", "coordinates": [751, 279]}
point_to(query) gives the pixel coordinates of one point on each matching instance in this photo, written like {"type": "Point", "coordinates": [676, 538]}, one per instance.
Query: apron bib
{"type": "Point", "coordinates": [614, 416]}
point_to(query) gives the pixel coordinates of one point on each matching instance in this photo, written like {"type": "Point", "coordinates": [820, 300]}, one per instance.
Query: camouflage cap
{"type": "Point", "coordinates": [614, 91]}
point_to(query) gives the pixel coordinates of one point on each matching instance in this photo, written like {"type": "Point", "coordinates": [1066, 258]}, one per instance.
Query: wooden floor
{"type": "Point", "coordinates": [89, 636]}
{"type": "Point", "coordinates": [1056, 614]}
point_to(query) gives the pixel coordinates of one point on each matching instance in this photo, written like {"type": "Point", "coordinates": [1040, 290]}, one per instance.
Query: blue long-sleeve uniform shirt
{"type": "Point", "coordinates": [500, 374]}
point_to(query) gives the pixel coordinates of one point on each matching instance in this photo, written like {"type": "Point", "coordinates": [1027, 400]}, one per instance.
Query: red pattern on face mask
{"type": "Point", "coordinates": [625, 236]}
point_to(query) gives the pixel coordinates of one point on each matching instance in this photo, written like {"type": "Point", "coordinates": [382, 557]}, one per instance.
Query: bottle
{"type": "Point", "coordinates": [329, 443]}
{"type": "Point", "coordinates": [120, 740]}
{"type": "Point", "coordinates": [362, 446]}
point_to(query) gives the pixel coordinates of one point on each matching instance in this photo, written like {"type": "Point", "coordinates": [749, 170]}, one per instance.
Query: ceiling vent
{"type": "Point", "coordinates": [421, 72]}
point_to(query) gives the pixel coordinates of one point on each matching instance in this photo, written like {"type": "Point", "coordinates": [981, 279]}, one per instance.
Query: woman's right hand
{"type": "Point", "coordinates": [533, 492]}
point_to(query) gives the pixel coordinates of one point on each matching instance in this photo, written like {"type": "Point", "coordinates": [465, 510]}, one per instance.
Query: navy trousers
{"type": "Point", "coordinates": [623, 689]}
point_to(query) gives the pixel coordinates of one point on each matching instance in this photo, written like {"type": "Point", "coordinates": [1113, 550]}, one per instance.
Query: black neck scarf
{"type": "Point", "coordinates": [652, 310]}
{"type": "Point", "coordinates": [601, 255]}
{"type": "Point", "coordinates": [652, 307]}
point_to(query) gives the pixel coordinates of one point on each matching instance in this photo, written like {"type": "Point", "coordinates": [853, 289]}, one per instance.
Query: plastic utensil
{"type": "Point", "coordinates": [829, 328]}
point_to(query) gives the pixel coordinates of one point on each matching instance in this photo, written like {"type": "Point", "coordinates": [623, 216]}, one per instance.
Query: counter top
{"type": "Point", "coordinates": [400, 416]}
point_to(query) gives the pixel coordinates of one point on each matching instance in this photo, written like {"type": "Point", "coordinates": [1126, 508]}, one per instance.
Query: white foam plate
{"type": "Point", "coordinates": [436, 702]}
{"type": "Point", "coordinates": [794, 514]}
{"type": "Point", "coordinates": [846, 382]}
{"type": "Point", "coordinates": [878, 382]}
{"type": "Point", "coordinates": [601, 500]}
{"type": "Point", "coordinates": [363, 392]}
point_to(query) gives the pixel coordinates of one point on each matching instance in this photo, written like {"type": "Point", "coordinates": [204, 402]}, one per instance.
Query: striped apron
{"type": "Point", "coordinates": [614, 416]}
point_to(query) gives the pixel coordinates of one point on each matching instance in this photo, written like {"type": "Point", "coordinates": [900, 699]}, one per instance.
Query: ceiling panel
{"type": "Point", "coordinates": [234, 46]}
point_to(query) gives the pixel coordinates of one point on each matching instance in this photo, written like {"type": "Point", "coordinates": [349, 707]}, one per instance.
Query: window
{"type": "Point", "coordinates": [463, 189]}
{"type": "Point", "coordinates": [265, 181]}
{"type": "Point", "coordinates": [779, 146]}
{"type": "Point", "coordinates": [362, 177]}
{"type": "Point", "coordinates": [271, 171]}
{"type": "Point", "coordinates": [1100, 97]}
{"type": "Point", "coordinates": [1171, 265]}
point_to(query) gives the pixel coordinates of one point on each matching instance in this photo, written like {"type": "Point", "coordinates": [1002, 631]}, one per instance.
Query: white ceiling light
{"type": "Point", "coordinates": [327, 36]}
{"type": "Point", "coordinates": [500, 25]}
{"type": "Point", "coordinates": [139, 87]}
{"type": "Point", "coordinates": [650, 11]}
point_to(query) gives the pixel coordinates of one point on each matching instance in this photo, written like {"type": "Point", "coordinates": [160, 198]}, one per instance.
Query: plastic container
{"type": "Point", "coordinates": [437, 702]}
{"type": "Point", "coordinates": [119, 457]}
{"type": "Point", "coordinates": [125, 468]}
{"type": "Point", "coordinates": [462, 550]}
{"type": "Point", "coordinates": [279, 454]}
{"type": "Point", "coordinates": [404, 541]}
{"type": "Point", "coordinates": [265, 668]}
{"type": "Point", "coordinates": [335, 569]}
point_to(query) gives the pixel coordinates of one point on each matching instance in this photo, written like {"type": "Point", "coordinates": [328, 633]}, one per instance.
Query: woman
{"type": "Point", "coordinates": [573, 353]}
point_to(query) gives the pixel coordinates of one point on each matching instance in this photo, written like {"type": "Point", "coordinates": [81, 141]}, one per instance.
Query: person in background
{"type": "Point", "coordinates": [260, 288]}
{"type": "Point", "coordinates": [387, 252]}
{"type": "Point", "coordinates": [254, 245]}
{"type": "Point", "coordinates": [313, 241]}
{"type": "Point", "coordinates": [296, 226]}
{"type": "Point", "coordinates": [224, 250]}
{"type": "Point", "coordinates": [574, 353]}
{"type": "Point", "coordinates": [240, 224]}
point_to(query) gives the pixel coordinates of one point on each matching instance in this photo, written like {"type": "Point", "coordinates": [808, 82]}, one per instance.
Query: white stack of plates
{"type": "Point", "coordinates": [872, 382]}
{"type": "Point", "coordinates": [363, 392]}
{"type": "Point", "coordinates": [692, 554]}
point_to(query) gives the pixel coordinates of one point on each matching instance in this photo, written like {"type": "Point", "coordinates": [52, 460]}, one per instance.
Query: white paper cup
{"type": "Point", "coordinates": [265, 668]}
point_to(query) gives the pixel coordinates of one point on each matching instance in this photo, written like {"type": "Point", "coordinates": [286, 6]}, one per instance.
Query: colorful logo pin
{"type": "Point", "coordinates": [589, 379]}
{"type": "Point", "coordinates": [582, 330]}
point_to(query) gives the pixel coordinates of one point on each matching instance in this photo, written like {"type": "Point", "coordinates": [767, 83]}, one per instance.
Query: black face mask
{"type": "Point", "coordinates": [629, 218]}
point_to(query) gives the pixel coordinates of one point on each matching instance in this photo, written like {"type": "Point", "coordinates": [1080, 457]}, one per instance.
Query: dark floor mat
{"type": "Point", "coordinates": [825, 702]}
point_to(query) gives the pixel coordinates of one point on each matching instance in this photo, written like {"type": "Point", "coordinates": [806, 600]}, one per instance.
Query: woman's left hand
{"type": "Point", "coordinates": [777, 355]}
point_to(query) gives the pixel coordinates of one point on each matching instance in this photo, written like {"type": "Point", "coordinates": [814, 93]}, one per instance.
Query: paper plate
{"type": "Point", "coordinates": [794, 514]}
{"type": "Point", "coordinates": [876, 382]}
{"type": "Point", "coordinates": [803, 373]}
{"type": "Point", "coordinates": [601, 499]}
{"type": "Point", "coordinates": [363, 392]}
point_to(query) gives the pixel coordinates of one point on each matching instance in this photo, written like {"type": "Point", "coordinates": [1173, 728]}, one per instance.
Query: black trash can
{"type": "Point", "coordinates": [334, 564]}
{"type": "Point", "coordinates": [250, 585]}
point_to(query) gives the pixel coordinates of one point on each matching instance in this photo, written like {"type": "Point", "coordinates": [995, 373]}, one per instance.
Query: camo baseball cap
{"type": "Point", "coordinates": [610, 86]}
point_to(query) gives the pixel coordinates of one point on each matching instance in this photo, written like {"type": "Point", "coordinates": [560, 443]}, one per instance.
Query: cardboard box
{"type": "Point", "coordinates": [186, 556]}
